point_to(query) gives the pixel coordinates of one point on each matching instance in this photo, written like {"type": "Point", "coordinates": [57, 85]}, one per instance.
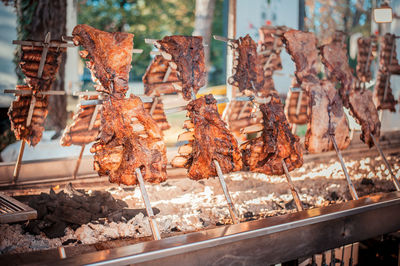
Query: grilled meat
{"type": "Point", "coordinates": [327, 117]}
{"type": "Point", "coordinates": [209, 140]}
{"type": "Point", "coordinates": [129, 138]}
{"type": "Point", "coordinates": [18, 115]}
{"type": "Point", "coordinates": [302, 48]}
{"type": "Point", "coordinates": [297, 106]}
{"type": "Point", "coordinates": [187, 56]}
{"type": "Point", "coordinates": [367, 47]}
{"type": "Point", "coordinates": [276, 143]}
{"type": "Point", "coordinates": [109, 55]}
{"type": "Point", "coordinates": [157, 80]}
{"type": "Point", "coordinates": [81, 131]}
{"type": "Point", "coordinates": [156, 110]}
{"type": "Point", "coordinates": [247, 70]}
{"type": "Point", "coordinates": [383, 95]}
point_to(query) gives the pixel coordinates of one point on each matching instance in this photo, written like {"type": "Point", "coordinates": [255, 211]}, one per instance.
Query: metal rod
{"type": "Point", "coordinates": [149, 210]}
{"type": "Point", "coordinates": [378, 147]}
{"type": "Point", "coordinates": [333, 258]}
{"type": "Point", "coordinates": [18, 163]}
{"type": "Point", "coordinates": [137, 51]}
{"type": "Point", "coordinates": [295, 195]}
{"type": "Point", "coordinates": [44, 54]}
{"type": "Point", "coordinates": [155, 53]}
{"type": "Point", "coordinates": [40, 44]}
{"type": "Point", "coordinates": [231, 206]}
{"type": "Point", "coordinates": [93, 118]}
{"type": "Point", "coordinates": [78, 162]}
{"type": "Point", "coordinates": [153, 105]}
{"type": "Point", "coordinates": [39, 93]}
{"type": "Point", "coordinates": [353, 191]}
{"type": "Point", "coordinates": [150, 41]}
{"type": "Point", "coordinates": [222, 39]}
{"type": "Point", "coordinates": [294, 129]}
{"type": "Point", "coordinates": [166, 76]}
{"type": "Point", "coordinates": [30, 111]}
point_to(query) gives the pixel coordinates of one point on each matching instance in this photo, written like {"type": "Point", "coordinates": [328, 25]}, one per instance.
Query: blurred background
{"type": "Point", "coordinates": [29, 19]}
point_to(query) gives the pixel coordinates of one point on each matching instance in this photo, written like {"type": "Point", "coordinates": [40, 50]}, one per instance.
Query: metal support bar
{"type": "Point", "coordinates": [46, 44]}
{"type": "Point", "coordinates": [18, 163]}
{"type": "Point", "coordinates": [39, 93]}
{"type": "Point", "coordinates": [353, 191]}
{"type": "Point", "coordinates": [231, 206]}
{"type": "Point", "coordinates": [30, 111]}
{"type": "Point", "coordinates": [295, 194]}
{"type": "Point", "coordinates": [149, 210]}
{"type": "Point", "coordinates": [378, 147]}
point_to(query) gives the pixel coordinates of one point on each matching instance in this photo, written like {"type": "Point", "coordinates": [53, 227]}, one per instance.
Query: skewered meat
{"type": "Point", "coordinates": [327, 117]}
{"type": "Point", "coordinates": [129, 138]}
{"type": "Point", "coordinates": [276, 144]}
{"type": "Point", "coordinates": [156, 110]}
{"type": "Point", "coordinates": [383, 96]}
{"type": "Point", "coordinates": [30, 61]}
{"type": "Point", "coordinates": [209, 140]}
{"type": "Point", "coordinates": [241, 114]}
{"type": "Point", "coordinates": [362, 108]}
{"type": "Point", "coordinates": [247, 70]}
{"type": "Point", "coordinates": [187, 56]}
{"type": "Point", "coordinates": [335, 59]}
{"type": "Point", "coordinates": [296, 105]}
{"type": "Point", "coordinates": [157, 80]}
{"type": "Point", "coordinates": [18, 114]}
{"type": "Point", "coordinates": [302, 48]}
{"type": "Point", "coordinates": [109, 55]}
{"type": "Point", "coordinates": [366, 48]}
{"type": "Point", "coordinates": [85, 126]}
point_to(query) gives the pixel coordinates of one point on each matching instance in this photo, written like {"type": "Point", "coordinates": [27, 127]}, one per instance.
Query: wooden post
{"type": "Point", "coordinates": [230, 93]}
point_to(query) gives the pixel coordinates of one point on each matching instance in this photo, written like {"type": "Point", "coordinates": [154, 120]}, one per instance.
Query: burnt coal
{"type": "Point", "coordinates": [367, 182]}
{"type": "Point", "coordinates": [72, 208]}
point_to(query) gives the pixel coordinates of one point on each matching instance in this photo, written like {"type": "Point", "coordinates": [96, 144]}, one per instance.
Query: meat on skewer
{"type": "Point", "coordinates": [367, 47]}
{"type": "Point", "coordinates": [18, 114]}
{"type": "Point", "coordinates": [157, 113]}
{"type": "Point", "coordinates": [209, 140]}
{"type": "Point", "coordinates": [295, 111]}
{"type": "Point", "coordinates": [79, 133]}
{"type": "Point", "coordinates": [247, 71]}
{"type": "Point", "coordinates": [109, 55]}
{"type": "Point", "coordinates": [359, 101]}
{"type": "Point", "coordinates": [187, 56]}
{"type": "Point", "coordinates": [129, 139]}
{"type": "Point", "coordinates": [155, 80]}
{"type": "Point", "coordinates": [276, 144]}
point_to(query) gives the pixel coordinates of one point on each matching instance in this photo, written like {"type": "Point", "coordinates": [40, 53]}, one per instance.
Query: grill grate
{"type": "Point", "coordinates": [12, 210]}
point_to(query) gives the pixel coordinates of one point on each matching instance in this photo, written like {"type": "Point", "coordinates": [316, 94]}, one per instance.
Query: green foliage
{"type": "Point", "coordinates": [217, 49]}
{"type": "Point", "coordinates": [145, 19]}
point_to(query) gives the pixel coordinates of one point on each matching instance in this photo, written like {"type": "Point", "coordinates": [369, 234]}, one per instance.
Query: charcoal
{"type": "Point", "coordinates": [367, 182]}
{"type": "Point", "coordinates": [115, 216]}
{"type": "Point", "coordinates": [56, 230]}
{"type": "Point", "coordinates": [73, 216]}
{"type": "Point", "coordinates": [130, 213]}
{"type": "Point", "coordinates": [69, 241]}
{"type": "Point", "coordinates": [248, 214]}
{"type": "Point", "coordinates": [32, 227]}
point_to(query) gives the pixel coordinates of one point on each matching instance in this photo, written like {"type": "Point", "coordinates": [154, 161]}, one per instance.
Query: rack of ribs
{"type": "Point", "coordinates": [327, 117]}
{"type": "Point", "coordinates": [247, 70]}
{"type": "Point", "coordinates": [302, 48]}
{"type": "Point", "coordinates": [157, 80]}
{"type": "Point", "coordinates": [156, 110]}
{"type": "Point", "coordinates": [84, 128]}
{"type": "Point", "coordinates": [209, 140]}
{"type": "Point", "coordinates": [296, 105]}
{"type": "Point", "coordinates": [18, 114]}
{"type": "Point", "coordinates": [276, 144]}
{"type": "Point", "coordinates": [383, 95]}
{"type": "Point", "coordinates": [187, 58]}
{"type": "Point", "coordinates": [129, 139]}
{"type": "Point", "coordinates": [109, 55]}
{"type": "Point", "coordinates": [367, 47]}
{"type": "Point", "coordinates": [359, 101]}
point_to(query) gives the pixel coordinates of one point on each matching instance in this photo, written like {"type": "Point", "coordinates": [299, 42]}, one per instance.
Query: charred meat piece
{"type": "Point", "coordinates": [129, 138]}
{"type": "Point", "coordinates": [270, 47]}
{"type": "Point", "coordinates": [156, 110]}
{"type": "Point", "coordinates": [18, 114]}
{"type": "Point", "coordinates": [327, 117]}
{"type": "Point", "coordinates": [362, 108]}
{"type": "Point", "coordinates": [30, 61]}
{"type": "Point", "coordinates": [383, 95]}
{"type": "Point", "coordinates": [187, 56]}
{"type": "Point", "coordinates": [159, 77]}
{"type": "Point", "coordinates": [335, 59]}
{"type": "Point", "coordinates": [297, 106]}
{"type": "Point", "coordinates": [276, 143]}
{"type": "Point", "coordinates": [209, 140]}
{"type": "Point", "coordinates": [247, 70]}
{"type": "Point", "coordinates": [241, 114]}
{"type": "Point", "coordinates": [85, 126]}
{"type": "Point", "coordinates": [367, 47]}
{"type": "Point", "coordinates": [109, 55]}
{"type": "Point", "coordinates": [302, 47]}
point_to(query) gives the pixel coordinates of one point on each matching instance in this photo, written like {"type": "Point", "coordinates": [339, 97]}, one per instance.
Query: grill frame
{"type": "Point", "coordinates": [11, 210]}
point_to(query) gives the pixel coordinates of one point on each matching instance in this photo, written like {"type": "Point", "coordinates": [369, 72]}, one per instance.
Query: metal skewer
{"type": "Point", "coordinates": [18, 163]}
{"type": "Point", "coordinates": [231, 206]}
{"type": "Point", "coordinates": [295, 195]}
{"type": "Point", "coordinates": [149, 210]}
{"type": "Point", "coordinates": [378, 147]}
